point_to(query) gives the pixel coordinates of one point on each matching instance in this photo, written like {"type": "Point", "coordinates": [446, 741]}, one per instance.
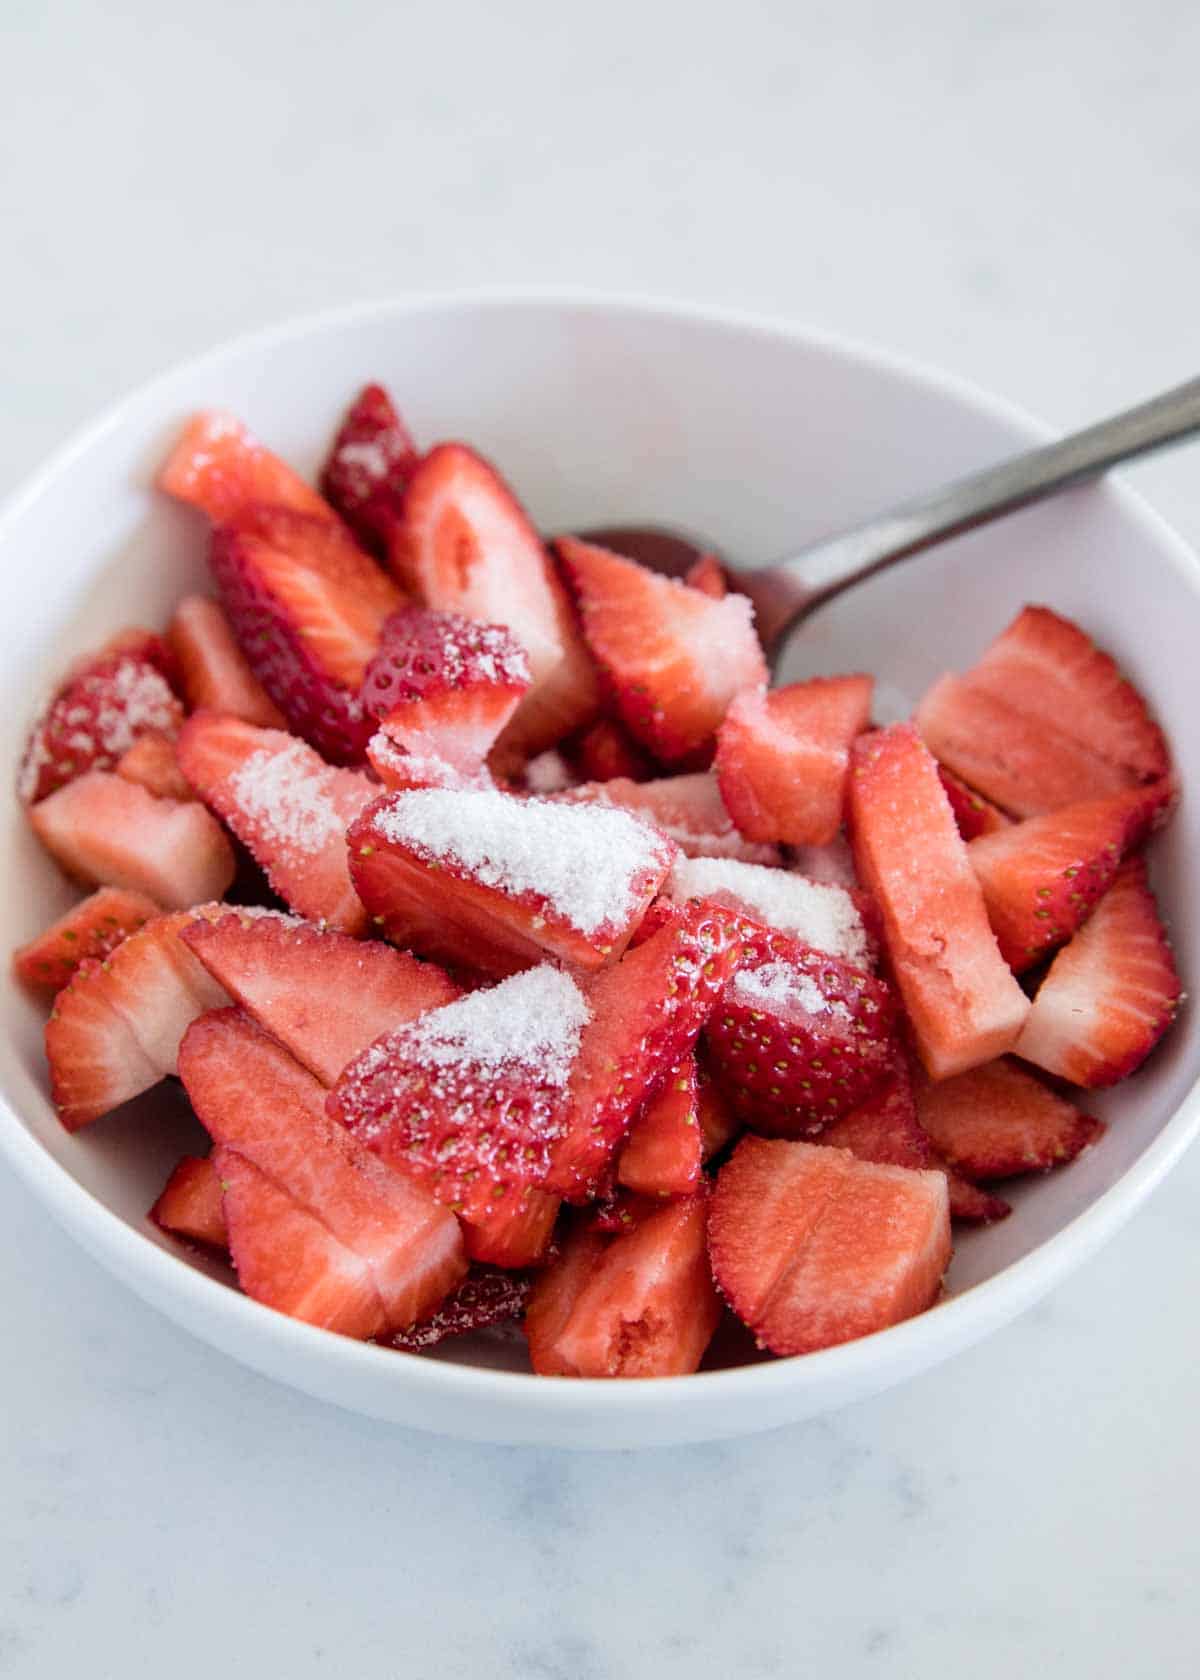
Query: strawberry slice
{"type": "Point", "coordinates": [1041, 877]}
{"type": "Point", "coordinates": [833, 865]}
{"type": "Point", "coordinates": [812, 1247]}
{"type": "Point", "coordinates": [190, 1204]}
{"type": "Point", "coordinates": [661, 1154]}
{"type": "Point", "coordinates": [400, 770]}
{"type": "Point", "coordinates": [962, 1000]}
{"type": "Point", "coordinates": [647, 1013]}
{"type": "Point", "coordinates": [606, 752]}
{"type": "Point", "coordinates": [1111, 994]}
{"type": "Point", "coordinates": [719, 1125]}
{"type": "Point", "coordinates": [646, 1306]}
{"type": "Point", "coordinates": [371, 461]}
{"type": "Point", "coordinates": [286, 805]}
{"type": "Point", "coordinates": [97, 715]}
{"type": "Point", "coordinates": [688, 810]}
{"type": "Point", "coordinates": [619, 1210]}
{"type": "Point", "coordinates": [323, 995]}
{"type": "Point", "coordinates": [517, 1231]}
{"type": "Point", "coordinates": [116, 1026]}
{"type": "Point", "coordinates": [818, 914]}
{"type": "Point", "coordinates": [152, 764]}
{"type": "Point", "coordinates": [219, 466]}
{"type": "Point", "coordinates": [145, 647]}
{"type": "Point", "coordinates": [214, 672]}
{"type": "Point", "coordinates": [485, 1298]}
{"type": "Point", "coordinates": [258, 1103]}
{"type": "Point", "coordinates": [999, 1121]}
{"type": "Point", "coordinates": [972, 812]}
{"type": "Point", "coordinates": [107, 831]}
{"type": "Point", "coordinates": [783, 757]}
{"type": "Point", "coordinates": [466, 545]}
{"type": "Point", "coordinates": [799, 1037]}
{"type": "Point", "coordinates": [92, 929]}
{"type": "Point", "coordinates": [555, 1292]}
{"type": "Point", "coordinates": [970, 1204]}
{"type": "Point", "coordinates": [673, 657]}
{"type": "Point", "coordinates": [708, 576]}
{"type": "Point", "coordinates": [495, 882]}
{"type": "Point", "coordinates": [444, 686]}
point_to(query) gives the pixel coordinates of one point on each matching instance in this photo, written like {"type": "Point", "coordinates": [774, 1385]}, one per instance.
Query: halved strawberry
{"type": "Point", "coordinates": [371, 461]}
{"type": "Point", "coordinates": [688, 809]}
{"type": "Point", "coordinates": [974, 814]}
{"type": "Point", "coordinates": [486, 1297]}
{"type": "Point", "coordinates": [97, 715]}
{"type": "Point", "coordinates": [465, 545]}
{"type": "Point", "coordinates": [646, 1306]}
{"type": "Point", "coordinates": [190, 1204]}
{"type": "Point", "coordinates": [107, 831]}
{"type": "Point", "coordinates": [821, 915]}
{"type": "Point", "coordinates": [673, 657]}
{"type": "Point", "coordinates": [999, 1121]}
{"type": "Point", "coordinates": [799, 1037]}
{"type": "Point", "coordinates": [116, 1026]}
{"type": "Point", "coordinates": [662, 1150]}
{"type": "Point", "coordinates": [286, 805]}
{"type": "Point", "coordinates": [324, 995]}
{"type": "Point", "coordinates": [708, 576]}
{"type": "Point", "coordinates": [812, 1247]}
{"type": "Point", "coordinates": [555, 1292]}
{"type": "Point", "coordinates": [400, 770]}
{"type": "Point", "coordinates": [92, 929]}
{"type": "Point", "coordinates": [1110, 994]}
{"type": "Point", "coordinates": [494, 882]}
{"type": "Point", "coordinates": [1041, 877]}
{"type": "Point", "coordinates": [444, 686]}
{"type": "Point", "coordinates": [971, 1204]}
{"type": "Point", "coordinates": [255, 1100]}
{"type": "Point", "coordinates": [719, 1125]}
{"type": "Point", "coordinates": [962, 1000]}
{"type": "Point", "coordinates": [219, 466]}
{"type": "Point", "coordinates": [152, 764]}
{"type": "Point", "coordinates": [606, 752]}
{"type": "Point", "coordinates": [783, 757]}
{"type": "Point", "coordinates": [517, 1231]}
{"type": "Point", "coordinates": [214, 672]}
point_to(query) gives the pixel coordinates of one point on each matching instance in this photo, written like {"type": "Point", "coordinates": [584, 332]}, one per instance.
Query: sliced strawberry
{"type": "Point", "coordinates": [833, 865]}
{"type": "Point", "coordinates": [688, 810]}
{"type": "Point", "coordinates": [719, 1125]}
{"type": "Point", "coordinates": [647, 1013]}
{"type": "Point", "coordinates": [96, 716]}
{"type": "Point", "coordinates": [555, 1292]}
{"type": "Point", "coordinates": [783, 757]}
{"type": "Point", "coordinates": [972, 812]}
{"type": "Point", "coordinates": [799, 1037]}
{"type": "Point", "coordinates": [619, 1210]}
{"type": "Point", "coordinates": [145, 647]}
{"type": "Point", "coordinates": [485, 1298]}
{"type": "Point", "coordinates": [495, 882]}
{"type": "Point", "coordinates": [708, 576]}
{"type": "Point", "coordinates": [107, 831]}
{"type": "Point", "coordinates": [371, 461]}
{"type": "Point", "coordinates": [661, 1154]}
{"type": "Point", "coordinates": [466, 546]}
{"type": "Point", "coordinates": [286, 805]}
{"type": "Point", "coordinates": [400, 770]}
{"type": "Point", "coordinates": [92, 929]}
{"type": "Point", "coordinates": [257, 1101]}
{"type": "Point", "coordinates": [1041, 877]}
{"type": "Point", "coordinates": [820, 915]}
{"type": "Point", "coordinates": [517, 1231]}
{"type": "Point", "coordinates": [219, 466]}
{"type": "Point", "coordinates": [673, 657]}
{"type": "Point", "coordinates": [970, 1204]}
{"type": "Point", "coordinates": [607, 752]}
{"type": "Point", "coordinates": [1111, 994]}
{"type": "Point", "coordinates": [444, 686]}
{"type": "Point", "coordinates": [190, 1204]}
{"type": "Point", "coordinates": [999, 1120]}
{"type": "Point", "coordinates": [152, 764]}
{"type": "Point", "coordinates": [812, 1247]}
{"type": "Point", "coordinates": [323, 995]}
{"type": "Point", "coordinates": [116, 1026]}
{"type": "Point", "coordinates": [214, 672]}
{"type": "Point", "coordinates": [646, 1307]}
{"type": "Point", "coordinates": [963, 1002]}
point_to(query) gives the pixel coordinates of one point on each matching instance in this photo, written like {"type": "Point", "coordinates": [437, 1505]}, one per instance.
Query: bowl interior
{"type": "Point", "coordinates": [759, 439]}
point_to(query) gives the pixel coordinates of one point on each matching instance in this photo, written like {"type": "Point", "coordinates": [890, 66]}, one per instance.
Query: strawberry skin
{"type": "Point", "coordinates": [214, 672]}
{"type": "Point", "coordinates": [972, 812]}
{"type": "Point", "coordinates": [1042, 877]}
{"type": "Point", "coordinates": [1109, 995]}
{"type": "Point", "coordinates": [486, 1297]}
{"type": "Point", "coordinates": [92, 929]}
{"type": "Point", "coordinates": [190, 1204]}
{"type": "Point", "coordinates": [220, 467]}
{"type": "Point", "coordinates": [517, 1231]}
{"type": "Point", "coordinates": [673, 658]}
{"type": "Point", "coordinates": [1000, 1120]}
{"type": "Point", "coordinates": [371, 461]}
{"type": "Point", "coordinates": [687, 809]}
{"type": "Point", "coordinates": [95, 717]}
{"type": "Point", "coordinates": [662, 1152]}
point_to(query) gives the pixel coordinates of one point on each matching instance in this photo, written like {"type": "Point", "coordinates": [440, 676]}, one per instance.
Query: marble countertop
{"type": "Point", "coordinates": [1009, 190]}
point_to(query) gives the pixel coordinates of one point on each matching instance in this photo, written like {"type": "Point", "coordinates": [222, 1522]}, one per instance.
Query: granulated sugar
{"type": "Point", "coordinates": [590, 864]}
{"type": "Point", "coordinates": [549, 772]}
{"type": "Point", "coordinates": [533, 1019]}
{"type": "Point", "coordinates": [821, 915]}
{"type": "Point", "coordinates": [287, 798]}
{"type": "Point", "coordinates": [779, 985]}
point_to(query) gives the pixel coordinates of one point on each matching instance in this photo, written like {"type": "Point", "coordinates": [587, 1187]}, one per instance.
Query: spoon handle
{"type": "Point", "coordinates": [787, 591]}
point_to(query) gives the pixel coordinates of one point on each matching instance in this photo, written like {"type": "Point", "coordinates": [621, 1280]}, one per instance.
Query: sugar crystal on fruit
{"type": "Point", "coordinates": [820, 914]}
{"type": "Point", "coordinates": [292, 803]}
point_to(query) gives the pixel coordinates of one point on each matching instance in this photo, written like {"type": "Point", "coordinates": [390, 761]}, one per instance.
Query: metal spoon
{"type": "Point", "coordinates": [785, 593]}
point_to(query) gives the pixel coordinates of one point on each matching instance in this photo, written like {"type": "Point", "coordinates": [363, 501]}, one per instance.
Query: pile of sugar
{"type": "Point", "coordinates": [533, 1019]}
{"type": "Point", "coordinates": [780, 985]}
{"type": "Point", "coordinates": [288, 795]}
{"type": "Point", "coordinates": [590, 864]}
{"type": "Point", "coordinates": [820, 914]}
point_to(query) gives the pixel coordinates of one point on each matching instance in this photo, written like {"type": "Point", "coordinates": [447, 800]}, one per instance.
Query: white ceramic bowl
{"type": "Point", "coordinates": [759, 435]}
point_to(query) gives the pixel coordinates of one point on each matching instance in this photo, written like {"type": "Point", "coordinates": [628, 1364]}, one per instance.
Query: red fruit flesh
{"type": "Point", "coordinates": [215, 673]}
{"type": "Point", "coordinates": [661, 1154]}
{"type": "Point", "coordinates": [190, 1204]}
{"type": "Point", "coordinates": [971, 1205]}
{"type": "Point", "coordinates": [92, 929]}
{"type": "Point", "coordinates": [371, 461]}
{"type": "Point", "coordinates": [688, 810]}
{"type": "Point", "coordinates": [554, 1294]}
{"type": "Point", "coordinates": [783, 757]}
{"type": "Point", "coordinates": [999, 1120]}
{"type": "Point", "coordinates": [708, 576]}
{"type": "Point", "coordinates": [719, 1125]}
{"type": "Point", "coordinates": [964, 1004]}
{"type": "Point", "coordinates": [672, 657]}
{"type": "Point", "coordinates": [972, 812]}
{"type": "Point", "coordinates": [323, 995]}
{"type": "Point", "coordinates": [1110, 994]}
{"type": "Point", "coordinates": [400, 770]}
{"type": "Point", "coordinates": [219, 466]}
{"type": "Point", "coordinates": [606, 752]}
{"type": "Point", "coordinates": [485, 1298]}
{"type": "Point", "coordinates": [152, 764]}
{"type": "Point", "coordinates": [95, 717]}
{"type": "Point", "coordinates": [287, 806]}
{"type": "Point", "coordinates": [517, 1232]}
{"type": "Point", "coordinates": [812, 1247]}
{"type": "Point", "coordinates": [107, 831]}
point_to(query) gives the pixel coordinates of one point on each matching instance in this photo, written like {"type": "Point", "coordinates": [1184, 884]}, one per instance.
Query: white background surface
{"type": "Point", "coordinates": [1008, 193]}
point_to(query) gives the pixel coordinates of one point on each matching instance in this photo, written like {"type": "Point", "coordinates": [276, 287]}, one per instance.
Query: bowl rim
{"type": "Point", "coordinates": [954, 1323]}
